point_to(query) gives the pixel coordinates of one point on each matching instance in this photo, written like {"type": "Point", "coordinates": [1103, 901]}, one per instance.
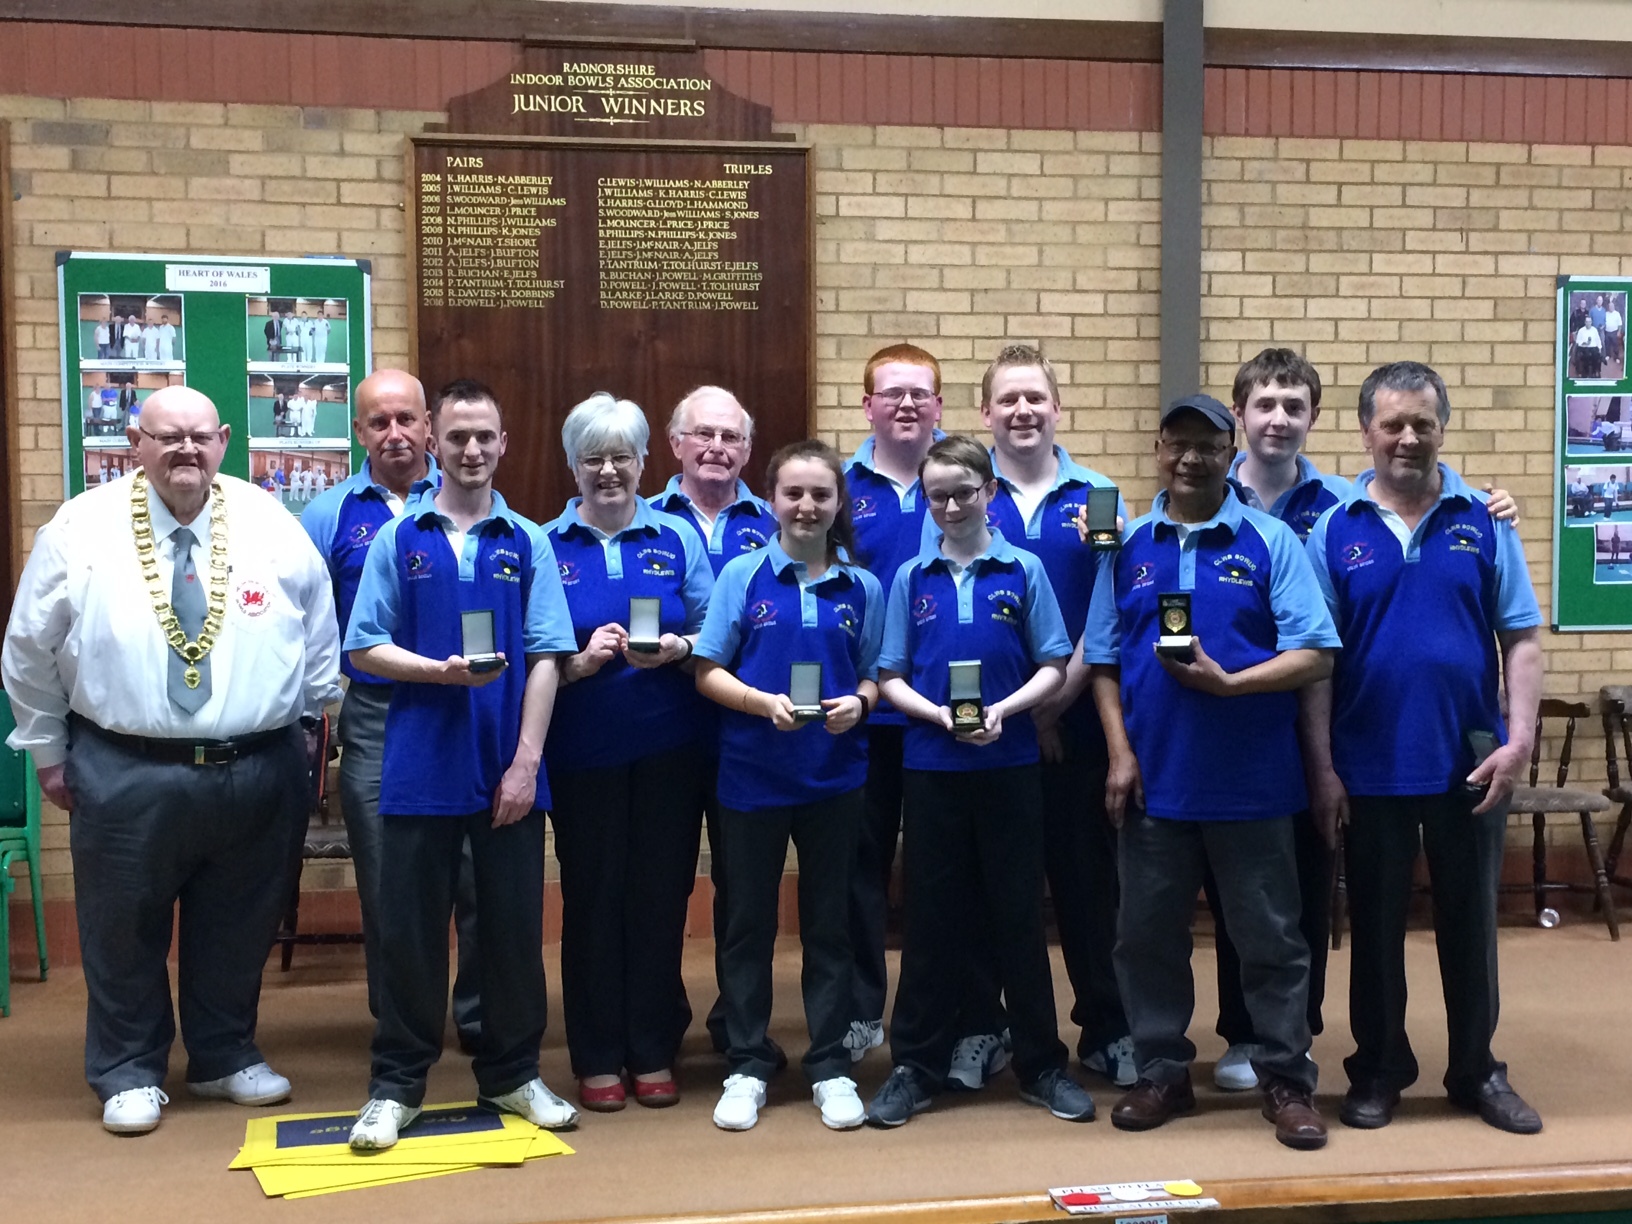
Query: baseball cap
{"type": "Point", "coordinates": [1215, 412]}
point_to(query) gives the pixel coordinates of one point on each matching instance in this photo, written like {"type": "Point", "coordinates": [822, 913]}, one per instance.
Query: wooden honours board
{"type": "Point", "coordinates": [551, 268]}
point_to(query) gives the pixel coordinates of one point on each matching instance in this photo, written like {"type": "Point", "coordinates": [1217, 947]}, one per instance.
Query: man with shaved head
{"type": "Point", "coordinates": [171, 633]}
{"type": "Point", "coordinates": [393, 426]}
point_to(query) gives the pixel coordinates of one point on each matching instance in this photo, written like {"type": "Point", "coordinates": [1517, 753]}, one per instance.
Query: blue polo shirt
{"type": "Point", "coordinates": [343, 522]}
{"type": "Point", "coordinates": [889, 527]}
{"type": "Point", "coordinates": [1252, 596]}
{"type": "Point", "coordinates": [746, 525]}
{"type": "Point", "coordinates": [1420, 666]}
{"type": "Point", "coordinates": [446, 745]}
{"type": "Point", "coordinates": [1001, 610]}
{"type": "Point", "coordinates": [764, 617]}
{"type": "Point", "coordinates": [624, 713]}
{"type": "Point", "coordinates": [1301, 506]}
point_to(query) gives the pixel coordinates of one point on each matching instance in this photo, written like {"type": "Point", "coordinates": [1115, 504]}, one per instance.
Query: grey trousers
{"type": "Point", "coordinates": [1162, 864]}
{"type": "Point", "coordinates": [219, 839]}
{"type": "Point", "coordinates": [362, 742]}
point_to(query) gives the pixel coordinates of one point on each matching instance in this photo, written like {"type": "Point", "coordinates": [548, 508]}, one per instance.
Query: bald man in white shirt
{"type": "Point", "coordinates": [171, 632]}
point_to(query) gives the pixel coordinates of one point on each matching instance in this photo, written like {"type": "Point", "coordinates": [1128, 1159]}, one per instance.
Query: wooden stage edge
{"type": "Point", "coordinates": [1454, 1194]}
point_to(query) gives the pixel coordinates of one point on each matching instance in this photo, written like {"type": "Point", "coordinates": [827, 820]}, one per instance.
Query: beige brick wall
{"type": "Point", "coordinates": [960, 240]}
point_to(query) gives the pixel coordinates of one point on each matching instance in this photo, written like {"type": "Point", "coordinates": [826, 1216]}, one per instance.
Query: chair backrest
{"type": "Point", "coordinates": [1555, 709]}
{"type": "Point", "coordinates": [14, 772]}
{"type": "Point", "coordinates": [1615, 704]}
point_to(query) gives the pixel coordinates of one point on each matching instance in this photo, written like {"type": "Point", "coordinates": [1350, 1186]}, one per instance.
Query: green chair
{"type": "Point", "coordinates": [19, 842]}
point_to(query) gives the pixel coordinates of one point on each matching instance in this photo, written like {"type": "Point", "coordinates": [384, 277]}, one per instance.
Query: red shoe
{"type": "Point", "coordinates": [657, 1094]}
{"type": "Point", "coordinates": [602, 1100]}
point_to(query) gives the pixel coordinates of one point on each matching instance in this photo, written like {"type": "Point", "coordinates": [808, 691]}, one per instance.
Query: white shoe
{"type": "Point", "coordinates": [378, 1123]}
{"type": "Point", "coordinates": [1234, 1071]}
{"type": "Point", "coordinates": [864, 1035]}
{"type": "Point", "coordinates": [257, 1085]}
{"type": "Point", "coordinates": [976, 1059]}
{"type": "Point", "coordinates": [537, 1104]}
{"type": "Point", "coordinates": [739, 1105]}
{"type": "Point", "coordinates": [841, 1107]}
{"type": "Point", "coordinates": [1114, 1062]}
{"type": "Point", "coordinates": [135, 1111]}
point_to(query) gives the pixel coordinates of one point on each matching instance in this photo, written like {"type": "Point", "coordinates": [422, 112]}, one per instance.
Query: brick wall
{"type": "Point", "coordinates": [960, 239]}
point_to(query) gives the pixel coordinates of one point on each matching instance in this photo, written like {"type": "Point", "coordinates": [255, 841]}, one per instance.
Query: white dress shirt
{"type": "Point", "coordinates": [83, 636]}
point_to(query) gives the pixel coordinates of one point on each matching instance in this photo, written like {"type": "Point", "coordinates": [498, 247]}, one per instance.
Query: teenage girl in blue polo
{"type": "Point", "coordinates": [792, 602]}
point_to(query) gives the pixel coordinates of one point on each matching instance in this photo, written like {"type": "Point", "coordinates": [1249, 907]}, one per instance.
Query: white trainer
{"type": "Point", "coordinates": [739, 1105]}
{"type": "Point", "coordinates": [841, 1107]}
{"type": "Point", "coordinates": [257, 1085]}
{"type": "Point", "coordinates": [864, 1035]}
{"type": "Point", "coordinates": [537, 1104]}
{"type": "Point", "coordinates": [1114, 1062]}
{"type": "Point", "coordinates": [975, 1060]}
{"type": "Point", "coordinates": [1234, 1071]}
{"type": "Point", "coordinates": [135, 1111]}
{"type": "Point", "coordinates": [378, 1123]}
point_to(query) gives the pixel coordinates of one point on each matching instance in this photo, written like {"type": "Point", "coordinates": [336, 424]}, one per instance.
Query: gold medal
{"type": "Point", "coordinates": [191, 677]}
{"type": "Point", "coordinates": [1174, 620]}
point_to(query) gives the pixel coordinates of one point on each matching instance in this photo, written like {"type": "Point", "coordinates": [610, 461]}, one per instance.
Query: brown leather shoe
{"type": "Point", "coordinates": [1297, 1121]}
{"type": "Point", "coordinates": [1147, 1104]}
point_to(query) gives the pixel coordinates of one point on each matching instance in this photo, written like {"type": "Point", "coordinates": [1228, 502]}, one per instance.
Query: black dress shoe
{"type": "Point", "coordinates": [1368, 1106]}
{"type": "Point", "coordinates": [1500, 1106]}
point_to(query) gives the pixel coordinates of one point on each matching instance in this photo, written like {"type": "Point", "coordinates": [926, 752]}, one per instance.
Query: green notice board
{"type": "Point", "coordinates": [279, 345]}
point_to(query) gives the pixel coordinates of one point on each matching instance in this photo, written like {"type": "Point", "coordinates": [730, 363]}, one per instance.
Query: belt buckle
{"type": "Point", "coordinates": [198, 754]}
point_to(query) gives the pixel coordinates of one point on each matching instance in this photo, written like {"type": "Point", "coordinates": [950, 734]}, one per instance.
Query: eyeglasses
{"type": "Point", "coordinates": [709, 437]}
{"type": "Point", "coordinates": [175, 441]}
{"type": "Point", "coordinates": [964, 495]}
{"type": "Point", "coordinates": [893, 397]}
{"type": "Point", "coordinates": [1205, 451]}
{"type": "Point", "coordinates": [620, 463]}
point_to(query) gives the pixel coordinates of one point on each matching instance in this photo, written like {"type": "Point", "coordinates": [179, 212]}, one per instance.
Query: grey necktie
{"type": "Point", "coordinates": [188, 600]}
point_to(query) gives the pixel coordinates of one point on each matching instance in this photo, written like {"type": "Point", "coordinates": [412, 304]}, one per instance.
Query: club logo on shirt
{"type": "Point", "coordinates": [1235, 569]}
{"type": "Point", "coordinates": [1006, 605]}
{"type": "Point", "coordinates": [864, 506]}
{"type": "Point", "coordinates": [923, 609]}
{"type": "Point", "coordinates": [847, 618]}
{"type": "Point", "coordinates": [418, 563]}
{"type": "Point", "coordinates": [362, 533]}
{"type": "Point", "coordinates": [656, 562]}
{"type": "Point", "coordinates": [1357, 556]}
{"type": "Point", "coordinates": [1144, 575]}
{"type": "Point", "coordinates": [1465, 537]}
{"type": "Point", "coordinates": [1304, 522]}
{"type": "Point", "coordinates": [762, 614]}
{"type": "Point", "coordinates": [568, 571]}
{"type": "Point", "coordinates": [992, 521]}
{"type": "Point", "coordinates": [506, 565]}
{"type": "Point", "coordinates": [251, 598]}
{"type": "Point", "coordinates": [751, 537]}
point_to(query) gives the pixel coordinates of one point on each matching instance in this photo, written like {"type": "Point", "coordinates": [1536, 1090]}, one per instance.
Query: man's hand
{"type": "Point", "coordinates": [1501, 504]}
{"type": "Point", "coordinates": [54, 785]}
{"type": "Point", "coordinates": [991, 730]}
{"type": "Point", "coordinates": [514, 798]}
{"type": "Point", "coordinates": [1202, 673]}
{"type": "Point", "coordinates": [1328, 805]}
{"type": "Point", "coordinates": [843, 713]}
{"type": "Point", "coordinates": [604, 645]}
{"type": "Point", "coordinates": [671, 648]}
{"type": "Point", "coordinates": [456, 670]}
{"type": "Point", "coordinates": [1123, 785]}
{"type": "Point", "coordinates": [1050, 744]}
{"type": "Point", "coordinates": [1500, 771]}
{"type": "Point", "coordinates": [1083, 533]}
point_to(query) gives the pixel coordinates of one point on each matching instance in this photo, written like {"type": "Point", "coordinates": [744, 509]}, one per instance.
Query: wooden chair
{"type": "Point", "coordinates": [1540, 801]}
{"type": "Point", "coordinates": [1615, 704]}
{"type": "Point", "coordinates": [325, 839]}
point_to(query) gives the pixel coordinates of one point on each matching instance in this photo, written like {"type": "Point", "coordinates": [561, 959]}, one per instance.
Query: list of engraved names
{"type": "Point", "coordinates": [479, 236]}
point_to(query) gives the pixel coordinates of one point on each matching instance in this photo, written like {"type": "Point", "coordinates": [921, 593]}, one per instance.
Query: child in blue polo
{"type": "Point", "coordinates": [793, 602]}
{"type": "Point", "coordinates": [973, 809]}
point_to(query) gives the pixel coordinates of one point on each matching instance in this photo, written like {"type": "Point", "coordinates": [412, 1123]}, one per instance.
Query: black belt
{"type": "Point", "coordinates": [192, 752]}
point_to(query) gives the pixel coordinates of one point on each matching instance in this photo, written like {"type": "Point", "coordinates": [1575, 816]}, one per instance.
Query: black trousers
{"type": "Point", "coordinates": [973, 837]}
{"type": "Point", "coordinates": [420, 857]}
{"type": "Point", "coordinates": [824, 834]}
{"type": "Point", "coordinates": [1079, 858]}
{"type": "Point", "coordinates": [362, 756]}
{"type": "Point", "coordinates": [876, 840]}
{"type": "Point", "coordinates": [1314, 862]}
{"type": "Point", "coordinates": [720, 909]}
{"type": "Point", "coordinates": [627, 838]}
{"type": "Point", "coordinates": [1464, 866]}
{"type": "Point", "coordinates": [146, 835]}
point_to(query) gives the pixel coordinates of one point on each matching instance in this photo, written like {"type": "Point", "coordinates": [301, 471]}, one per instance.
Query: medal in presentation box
{"type": "Point", "coordinates": [645, 624]}
{"type": "Point", "coordinates": [1102, 532]}
{"type": "Point", "coordinates": [1177, 640]}
{"type": "Point", "coordinates": [805, 691]}
{"type": "Point", "coordinates": [963, 695]}
{"type": "Point", "coordinates": [476, 632]}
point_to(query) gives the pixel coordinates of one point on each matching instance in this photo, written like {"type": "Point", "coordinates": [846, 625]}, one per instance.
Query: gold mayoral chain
{"type": "Point", "coordinates": [141, 527]}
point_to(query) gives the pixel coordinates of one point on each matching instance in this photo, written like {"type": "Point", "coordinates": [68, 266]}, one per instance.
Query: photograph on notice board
{"type": "Point", "coordinates": [1601, 493]}
{"type": "Point", "coordinates": [113, 400]}
{"type": "Point", "coordinates": [131, 329]}
{"type": "Point", "coordinates": [1612, 553]}
{"type": "Point", "coordinates": [1597, 335]}
{"type": "Point", "coordinates": [1597, 424]}
{"type": "Point", "coordinates": [106, 465]}
{"type": "Point", "coordinates": [300, 406]}
{"type": "Point", "coordinates": [297, 332]}
{"type": "Point", "coordinates": [296, 475]}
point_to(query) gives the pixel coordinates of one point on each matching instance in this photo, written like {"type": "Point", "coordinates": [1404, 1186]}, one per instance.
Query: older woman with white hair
{"type": "Point", "coordinates": [626, 775]}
